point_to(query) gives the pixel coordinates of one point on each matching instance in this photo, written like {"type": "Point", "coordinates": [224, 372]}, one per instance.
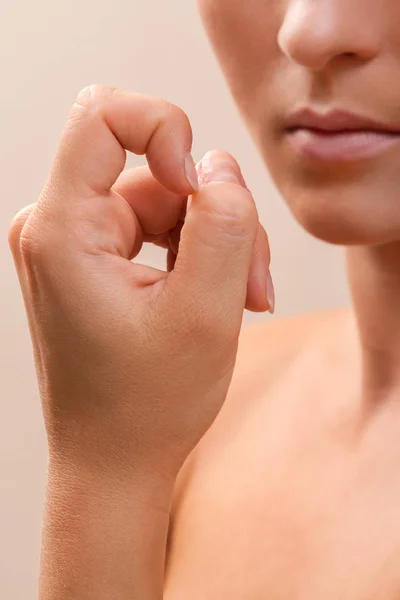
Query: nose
{"type": "Point", "coordinates": [315, 32]}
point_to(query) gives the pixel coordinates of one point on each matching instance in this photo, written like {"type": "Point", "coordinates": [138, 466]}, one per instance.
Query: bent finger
{"type": "Point", "coordinates": [104, 122]}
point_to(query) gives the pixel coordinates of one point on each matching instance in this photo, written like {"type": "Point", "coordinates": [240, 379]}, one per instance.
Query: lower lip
{"type": "Point", "coordinates": [343, 146]}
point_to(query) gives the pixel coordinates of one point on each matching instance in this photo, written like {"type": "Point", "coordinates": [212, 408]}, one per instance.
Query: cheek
{"type": "Point", "coordinates": [243, 34]}
{"type": "Point", "coordinates": [357, 206]}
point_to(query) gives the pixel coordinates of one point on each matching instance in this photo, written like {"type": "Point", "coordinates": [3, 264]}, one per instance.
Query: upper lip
{"type": "Point", "coordinates": [335, 120]}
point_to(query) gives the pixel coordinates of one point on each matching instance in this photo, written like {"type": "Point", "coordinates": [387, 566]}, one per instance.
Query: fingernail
{"type": "Point", "coordinates": [270, 293]}
{"type": "Point", "coordinates": [217, 166]}
{"type": "Point", "coordinates": [191, 173]}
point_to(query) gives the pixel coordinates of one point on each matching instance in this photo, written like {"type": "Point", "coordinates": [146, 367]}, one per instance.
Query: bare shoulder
{"type": "Point", "coordinates": [267, 352]}
{"type": "Point", "coordinates": [271, 347]}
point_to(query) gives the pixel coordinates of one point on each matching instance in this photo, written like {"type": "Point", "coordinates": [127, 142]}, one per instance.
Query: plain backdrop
{"type": "Point", "coordinates": [49, 51]}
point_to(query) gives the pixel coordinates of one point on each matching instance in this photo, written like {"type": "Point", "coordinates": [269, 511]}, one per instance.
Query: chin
{"type": "Point", "coordinates": [343, 213]}
{"type": "Point", "coordinates": [342, 204]}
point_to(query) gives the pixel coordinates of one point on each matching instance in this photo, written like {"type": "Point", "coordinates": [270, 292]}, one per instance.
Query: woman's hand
{"type": "Point", "coordinates": [134, 363]}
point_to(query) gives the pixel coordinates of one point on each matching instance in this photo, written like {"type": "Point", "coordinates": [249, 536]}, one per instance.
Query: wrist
{"type": "Point", "coordinates": [94, 481]}
{"type": "Point", "coordinates": [103, 536]}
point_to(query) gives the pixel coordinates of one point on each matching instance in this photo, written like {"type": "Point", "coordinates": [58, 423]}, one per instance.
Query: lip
{"type": "Point", "coordinates": [338, 136]}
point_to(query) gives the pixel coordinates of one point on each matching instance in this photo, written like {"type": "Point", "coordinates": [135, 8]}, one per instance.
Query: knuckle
{"type": "Point", "coordinates": [30, 245]}
{"type": "Point", "coordinates": [180, 114]}
{"type": "Point", "coordinates": [175, 114]}
{"type": "Point", "coordinates": [16, 226]}
{"type": "Point", "coordinates": [33, 243]}
{"type": "Point", "coordinates": [94, 95]}
{"type": "Point", "coordinates": [232, 208]}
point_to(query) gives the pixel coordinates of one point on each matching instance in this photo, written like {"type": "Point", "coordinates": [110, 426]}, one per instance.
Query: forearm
{"type": "Point", "coordinates": [104, 538]}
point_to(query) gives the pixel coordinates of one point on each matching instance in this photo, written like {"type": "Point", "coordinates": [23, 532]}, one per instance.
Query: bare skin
{"type": "Point", "coordinates": [282, 483]}
{"type": "Point", "coordinates": [294, 492]}
{"type": "Point", "coordinates": [133, 363]}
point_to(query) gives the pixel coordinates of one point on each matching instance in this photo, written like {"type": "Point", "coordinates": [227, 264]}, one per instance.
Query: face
{"type": "Point", "coordinates": [318, 85]}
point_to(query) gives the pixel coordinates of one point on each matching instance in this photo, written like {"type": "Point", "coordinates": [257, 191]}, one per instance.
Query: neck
{"type": "Point", "coordinates": [374, 274]}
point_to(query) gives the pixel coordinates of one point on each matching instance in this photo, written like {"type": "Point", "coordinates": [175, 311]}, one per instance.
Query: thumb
{"type": "Point", "coordinates": [218, 237]}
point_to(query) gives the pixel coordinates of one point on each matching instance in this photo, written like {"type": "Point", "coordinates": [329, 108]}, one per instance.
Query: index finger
{"type": "Point", "coordinates": [104, 122]}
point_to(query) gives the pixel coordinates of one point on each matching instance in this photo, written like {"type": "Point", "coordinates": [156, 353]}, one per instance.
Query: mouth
{"type": "Point", "coordinates": [338, 136]}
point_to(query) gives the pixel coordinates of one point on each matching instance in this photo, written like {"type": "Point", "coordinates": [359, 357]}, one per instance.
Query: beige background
{"type": "Point", "coordinates": [49, 50]}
